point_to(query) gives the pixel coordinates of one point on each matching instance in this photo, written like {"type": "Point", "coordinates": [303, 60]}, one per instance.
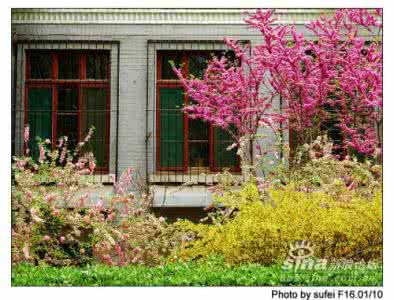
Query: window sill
{"type": "Point", "coordinates": [186, 178]}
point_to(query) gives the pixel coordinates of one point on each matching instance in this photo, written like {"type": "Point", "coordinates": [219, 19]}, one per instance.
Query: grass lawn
{"type": "Point", "coordinates": [194, 274]}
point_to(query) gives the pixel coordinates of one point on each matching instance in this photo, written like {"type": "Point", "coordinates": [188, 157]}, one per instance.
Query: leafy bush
{"type": "Point", "coordinates": [51, 224]}
{"type": "Point", "coordinates": [315, 169]}
{"type": "Point", "coordinates": [261, 232]}
{"type": "Point", "coordinates": [210, 273]}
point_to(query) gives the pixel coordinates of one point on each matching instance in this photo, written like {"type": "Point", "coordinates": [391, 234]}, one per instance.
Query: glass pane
{"type": "Point", "coordinates": [97, 64]}
{"type": "Point", "coordinates": [40, 65]}
{"type": "Point", "coordinates": [67, 114]}
{"type": "Point", "coordinates": [197, 64]}
{"type": "Point", "coordinates": [39, 117]}
{"type": "Point", "coordinates": [198, 154]}
{"type": "Point", "coordinates": [171, 127]}
{"type": "Point", "coordinates": [69, 65]}
{"type": "Point", "coordinates": [94, 113]}
{"type": "Point", "coordinates": [166, 69]}
{"type": "Point", "coordinates": [67, 99]}
{"type": "Point", "coordinates": [224, 158]}
{"type": "Point", "coordinates": [67, 125]}
{"type": "Point", "coordinates": [198, 130]}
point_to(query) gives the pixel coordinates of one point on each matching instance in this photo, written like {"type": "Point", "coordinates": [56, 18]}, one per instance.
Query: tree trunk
{"type": "Point", "coordinates": [245, 152]}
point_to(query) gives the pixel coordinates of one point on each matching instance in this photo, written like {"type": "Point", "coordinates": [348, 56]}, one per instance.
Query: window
{"type": "Point", "coordinates": [184, 143]}
{"type": "Point", "coordinates": [67, 92]}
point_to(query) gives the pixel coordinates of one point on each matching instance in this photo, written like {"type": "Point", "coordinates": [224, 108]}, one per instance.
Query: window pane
{"type": "Point", "coordinates": [67, 114]}
{"type": "Point", "coordinates": [171, 127]}
{"type": "Point", "coordinates": [69, 65]}
{"type": "Point", "coordinates": [97, 64]}
{"type": "Point", "coordinates": [67, 125]}
{"type": "Point", "coordinates": [197, 64]}
{"type": "Point", "coordinates": [39, 116]}
{"type": "Point", "coordinates": [40, 65]}
{"type": "Point", "coordinates": [166, 69]}
{"type": "Point", "coordinates": [198, 154]}
{"type": "Point", "coordinates": [224, 158]}
{"type": "Point", "coordinates": [198, 130]}
{"type": "Point", "coordinates": [67, 99]}
{"type": "Point", "coordinates": [94, 113]}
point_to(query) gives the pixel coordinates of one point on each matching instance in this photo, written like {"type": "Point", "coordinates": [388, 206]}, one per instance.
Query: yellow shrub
{"type": "Point", "coordinates": [262, 232]}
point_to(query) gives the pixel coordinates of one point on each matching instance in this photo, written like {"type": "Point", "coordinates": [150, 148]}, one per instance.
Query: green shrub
{"type": "Point", "coordinates": [320, 171]}
{"type": "Point", "coordinates": [261, 232]}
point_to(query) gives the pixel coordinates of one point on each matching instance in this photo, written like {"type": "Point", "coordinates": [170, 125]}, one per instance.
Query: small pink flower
{"type": "Point", "coordinates": [99, 205]}
{"type": "Point", "coordinates": [26, 134]}
{"type": "Point", "coordinates": [84, 172]}
{"type": "Point", "coordinates": [42, 153]}
{"type": "Point", "coordinates": [47, 141]}
{"type": "Point", "coordinates": [46, 238]}
{"type": "Point", "coordinates": [20, 164]}
{"type": "Point", "coordinates": [49, 197]}
{"type": "Point", "coordinates": [92, 165]}
{"type": "Point", "coordinates": [61, 141]}
{"type": "Point", "coordinates": [62, 239]}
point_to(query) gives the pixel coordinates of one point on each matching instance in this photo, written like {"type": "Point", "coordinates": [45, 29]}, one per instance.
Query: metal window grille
{"type": "Point", "coordinates": [62, 88]}
{"type": "Point", "coordinates": [179, 149]}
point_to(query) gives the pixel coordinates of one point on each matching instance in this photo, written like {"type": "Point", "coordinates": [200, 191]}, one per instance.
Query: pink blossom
{"type": "Point", "coordinates": [99, 205]}
{"type": "Point", "coordinates": [62, 155]}
{"type": "Point", "coordinates": [46, 238]}
{"type": "Point", "coordinates": [42, 153]}
{"type": "Point", "coordinates": [20, 164]}
{"type": "Point", "coordinates": [62, 239]}
{"type": "Point", "coordinates": [308, 76]}
{"type": "Point", "coordinates": [92, 166]}
{"type": "Point", "coordinates": [49, 197]}
{"type": "Point", "coordinates": [26, 134]}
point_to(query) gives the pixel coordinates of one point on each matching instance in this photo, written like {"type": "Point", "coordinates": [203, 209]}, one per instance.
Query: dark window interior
{"type": "Point", "coordinates": [68, 92]}
{"type": "Point", "coordinates": [206, 146]}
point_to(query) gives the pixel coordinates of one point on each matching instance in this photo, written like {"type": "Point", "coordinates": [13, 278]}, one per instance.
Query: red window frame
{"type": "Point", "coordinates": [82, 82]}
{"type": "Point", "coordinates": [175, 83]}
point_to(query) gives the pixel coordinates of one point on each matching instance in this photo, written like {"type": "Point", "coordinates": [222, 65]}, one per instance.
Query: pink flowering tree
{"type": "Point", "coordinates": [334, 78]}
{"type": "Point", "coordinates": [228, 96]}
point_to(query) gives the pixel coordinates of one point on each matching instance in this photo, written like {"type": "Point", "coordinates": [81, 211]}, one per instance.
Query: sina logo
{"type": "Point", "coordinates": [300, 257]}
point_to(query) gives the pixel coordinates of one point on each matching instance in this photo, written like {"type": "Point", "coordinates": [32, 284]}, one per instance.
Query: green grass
{"type": "Point", "coordinates": [194, 274]}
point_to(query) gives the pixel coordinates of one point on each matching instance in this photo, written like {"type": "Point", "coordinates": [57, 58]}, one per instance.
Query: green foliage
{"type": "Point", "coordinates": [261, 232]}
{"type": "Point", "coordinates": [314, 169]}
{"type": "Point", "coordinates": [210, 273]}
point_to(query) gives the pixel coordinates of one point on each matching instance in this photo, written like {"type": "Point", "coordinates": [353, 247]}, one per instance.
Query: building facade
{"type": "Point", "coordinates": [74, 68]}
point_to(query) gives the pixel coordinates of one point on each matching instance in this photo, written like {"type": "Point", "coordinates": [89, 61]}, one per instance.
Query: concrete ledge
{"type": "Point", "coordinates": [181, 196]}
